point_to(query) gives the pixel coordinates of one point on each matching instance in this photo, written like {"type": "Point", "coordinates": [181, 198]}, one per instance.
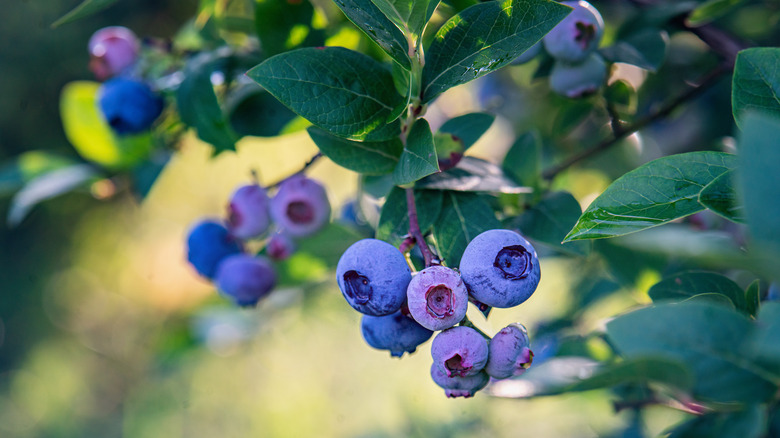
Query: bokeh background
{"type": "Point", "coordinates": [105, 331]}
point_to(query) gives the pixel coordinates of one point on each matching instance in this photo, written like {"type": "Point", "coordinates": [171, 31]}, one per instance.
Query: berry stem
{"type": "Point", "coordinates": [708, 81]}
{"type": "Point", "coordinates": [466, 322]}
{"type": "Point", "coordinates": [308, 164]}
{"type": "Point", "coordinates": [414, 229]}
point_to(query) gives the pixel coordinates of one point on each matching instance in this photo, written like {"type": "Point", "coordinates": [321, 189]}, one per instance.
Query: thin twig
{"type": "Point", "coordinates": [414, 229]}
{"type": "Point", "coordinates": [308, 164]}
{"type": "Point", "coordinates": [708, 81]}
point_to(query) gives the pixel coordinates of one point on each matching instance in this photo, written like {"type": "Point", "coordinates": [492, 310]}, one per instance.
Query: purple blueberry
{"type": "Point", "coordinates": [395, 332]}
{"type": "Point", "coordinates": [245, 279]}
{"type": "Point", "coordinates": [373, 276]}
{"type": "Point", "coordinates": [581, 79]}
{"type": "Point", "coordinates": [129, 106]}
{"type": "Point", "coordinates": [112, 51]}
{"type": "Point", "coordinates": [280, 247]}
{"type": "Point", "coordinates": [500, 268]}
{"type": "Point", "coordinates": [460, 351]}
{"type": "Point", "coordinates": [248, 214]}
{"type": "Point", "coordinates": [510, 354]}
{"type": "Point", "coordinates": [577, 35]}
{"type": "Point", "coordinates": [208, 243]}
{"type": "Point", "coordinates": [437, 298]}
{"type": "Point", "coordinates": [300, 206]}
{"type": "Point", "coordinates": [459, 386]}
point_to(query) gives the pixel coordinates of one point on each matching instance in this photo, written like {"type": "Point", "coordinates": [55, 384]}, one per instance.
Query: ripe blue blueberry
{"type": "Point", "coordinates": [129, 106]}
{"type": "Point", "coordinates": [577, 35]}
{"type": "Point", "coordinates": [208, 243]}
{"type": "Point", "coordinates": [301, 206]}
{"type": "Point", "coordinates": [437, 298]}
{"type": "Point", "coordinates": [460, 351]}
{"type": "Point", "coordinates": [245, 279]}
{"type": "Point", "coordinates": [395, 332]}
{"type": "Point", "coordinates": [576, 80]}
{"type": "Point", "coordinates": [510, 354]}
{"type": "Point", "coordinates": [373, 276]}
{"type": "Point", "coordinates": [280, 247]}
{"type": "Point", "coordinates": [248, 214]}
{"type": "Point", "coordinates": [500, 268]}
{"type": "Point", "coordinates": [455, 386]}
{"type": "Point", "coordinates": [113, 51]}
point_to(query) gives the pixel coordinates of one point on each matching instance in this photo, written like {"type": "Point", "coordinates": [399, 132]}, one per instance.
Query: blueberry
{"type": "Point", "coordinates": [437, 298]}
{"type": "Point", "coordinates": [395, 332]}
{"type": "Point", "coordinates": [301, 206]}
{"type": "Point", "coordinates": [248, 214]}
{"type": "Point", "coordinates": [129, 106]}
{"type": "Point", "coordinates": [245, 279]}
{"type": "Point", "coordinates": [208, 243]}
{"type": "Point", "coordinates": [373, 277]}
{"type": "Point", "coordinates": [280, 247]}
{"type": "Point", "coordinates": [577, 35]}
{"type": "Point", "coordinates": [581, 79]}
{"type": "Point", "coordinates": [528, 54]}
{"type": "Point", "coordinates": [112, 50]}
{"type": "Point", "coordinates": [500, 268]}
{"type": "Point", "coordinates": [460, 351]}
{"type": "Point", "coordinates": [510, 354]}
{"type": "Point", "coordinates": [459, 386]}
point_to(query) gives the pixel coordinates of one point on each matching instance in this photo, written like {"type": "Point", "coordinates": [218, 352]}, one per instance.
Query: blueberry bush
{"type": "Point", "coordinates": [638, 140]}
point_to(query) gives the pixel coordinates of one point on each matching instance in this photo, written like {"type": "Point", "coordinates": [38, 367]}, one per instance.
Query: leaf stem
{"type": "Point", "coordinates": [308, 164]}
{"type": "Point", "coordinates": [706, 82]}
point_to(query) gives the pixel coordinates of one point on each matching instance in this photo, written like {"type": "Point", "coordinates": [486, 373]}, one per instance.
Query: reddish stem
{"type": "Point", "coordinates": [414, 229]}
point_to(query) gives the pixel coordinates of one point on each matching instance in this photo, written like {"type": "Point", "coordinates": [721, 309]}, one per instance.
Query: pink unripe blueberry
{"type": "Point", "coordinates": [510, 354]}
{"type": "Point", "coordinates": [460, 351]}
{"type": "Point", "coordinates": [245, 279]}
{"type": "Point", "coordinates": [581, 79]}
{"type": "Point", "coordinates": [112, 50]}
{"type": "Point", "coordinates": [437, 298]}
{"type": "Point", "coordinates": [500, 268]}
{"type": "Point", "coordinates": [577, 35]}
{"type": "Point", "coordinates": [459, 386]}
{"type": "Point", "coordinates": [301, 206]}
{"type": "Point", "coordinates": [280, 247]}
{"type": "Point", "coordinates": [248, 214]}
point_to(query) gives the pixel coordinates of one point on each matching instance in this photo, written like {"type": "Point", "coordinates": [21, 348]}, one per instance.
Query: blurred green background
{"type": "Point", "coordinates": [105, 331]}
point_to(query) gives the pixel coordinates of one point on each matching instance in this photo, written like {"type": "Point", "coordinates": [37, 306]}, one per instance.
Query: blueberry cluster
{"type": "Point", "coordinates": [401, 310]}
{"type": "Point", "coordinates": [578, 69]}
{"type": "Point", "coordinates": [129, 105]}
{"type": "Point", "coordinates": [216, 248]}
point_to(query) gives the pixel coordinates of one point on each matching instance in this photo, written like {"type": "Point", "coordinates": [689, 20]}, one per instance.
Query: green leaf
{"type": "Point", "coordinates": [411, 16]}
{"type": "Point", "coordinates": [759, 159]}
{"type": "Point", "coordinates": [20, 170]}
{"type": "Point", "coordinates": [84, 9]}
{"type": "Point", "coordinates": [707, 338]}
{"type": "Point", "coordinates": [484, 38]}
{"type": "Point", "coordinates": [756, 83]}
{"type": "Point", "coordinates": [688, 284]}
{"type": "Point", "coordinates": [765, 345]}
{"type": "Point", "coordinates": [47, 186]}
{"type": "Point", "coordinates": [523, 160]}
{"type": "Point", "coordinates": [639, 370]}
{"type": "Point", "coordinates": [370, 19]}
{"type": "Point", "coordinates": [419, 156]}
{"type": "Point", "coordinates": [749, 422]}
{"type": "Point", "coordinates": [473, 175]}
{"type": "Point", "coordinates": [645, 49]}
{"type": "Point", "coordinates": [253, 111]}
{"type": "Point", "coordinates": [282, 25]}
{"type": "Point", "coordinates": [198, 106]}
{"type": "Point", "coordinates": [468, 128]}
{"type": "Point", "coordinates": [339, 90]}
{"type": "Point", "coordinates": [710, 10]}
{"type": "Point", "coordinates": [463, 217]}
{"type": "Point", "coordinates": [370, 158]}
{"type": "Point", "coordinates": [656, 193]}
{"type": "Point", "coordinates": [89, 132]}
{"type": "Point", "coordinates": [549, 220]}
{"type": "Point", "coordinates": [571, 115]}
{"type": "Point", "coordinates": [394, 220]}
{"type": "Point", "coordinates": [720, 197]}
{"type": "Point", "coordinates": [753, 297]}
